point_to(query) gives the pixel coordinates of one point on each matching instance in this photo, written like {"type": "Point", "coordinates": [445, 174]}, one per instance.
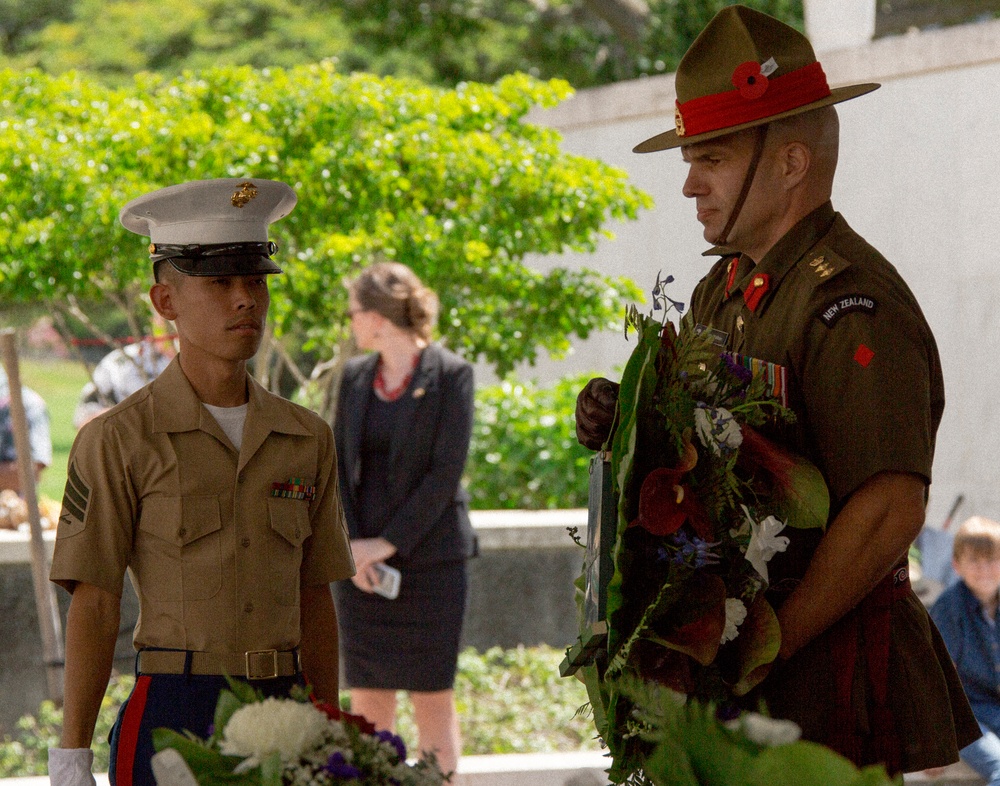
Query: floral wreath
{"type": "Point", "coordinates": [292, 741]}
{"type": "Point", "coordinates": [701, 498]}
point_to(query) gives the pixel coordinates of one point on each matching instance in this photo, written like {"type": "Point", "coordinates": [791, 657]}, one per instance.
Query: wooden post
{"type": "Point", "coordinates": [47, 607]}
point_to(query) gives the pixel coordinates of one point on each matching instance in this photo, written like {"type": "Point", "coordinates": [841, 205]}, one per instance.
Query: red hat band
{"type": "Point", "coordinates": [756, 96]}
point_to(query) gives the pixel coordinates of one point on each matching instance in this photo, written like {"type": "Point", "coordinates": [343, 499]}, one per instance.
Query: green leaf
{"type": "Point", "coordinates": [798, 493]}
{"type": "Point", "coordinates": [756, 645]}
{"type": "Point", "coordinates": [634, 396]}
{"type": "Point", "coordinates": [228, 703]}
{"type": "Point", "coordinates": [805, 764]}
{"type": "Point", "coordinates": [270, 771]}
{"type": "Point", "coordinates": [669, 765]}
{"type": "Point", "coordinates": [210, 765]}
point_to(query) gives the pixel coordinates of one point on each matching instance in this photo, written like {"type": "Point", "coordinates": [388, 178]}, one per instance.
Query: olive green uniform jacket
{"type": "Point", "coordinates": [856, 362]}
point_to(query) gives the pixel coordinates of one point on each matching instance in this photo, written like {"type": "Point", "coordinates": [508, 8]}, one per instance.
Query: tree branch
{"type": "Point", "coordinates": [627, 18]}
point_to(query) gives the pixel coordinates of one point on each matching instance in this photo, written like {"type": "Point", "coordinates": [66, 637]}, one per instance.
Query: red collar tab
{"type": "Point", "coordinates": [734, 266]}
{"type": "Point", "coordinates": [756, 96]}
{"type": "Point", "coordinates": [754, 293]}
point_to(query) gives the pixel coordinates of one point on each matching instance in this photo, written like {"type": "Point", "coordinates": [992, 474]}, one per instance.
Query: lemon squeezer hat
{"type": "Point", "coordinates": [215, 227]}
{"type": "Point", "coordinates": [745, 69]}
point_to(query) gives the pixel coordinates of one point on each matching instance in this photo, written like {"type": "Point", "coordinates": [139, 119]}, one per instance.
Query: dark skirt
{"type": "Point", "coordinates": [410, 643]}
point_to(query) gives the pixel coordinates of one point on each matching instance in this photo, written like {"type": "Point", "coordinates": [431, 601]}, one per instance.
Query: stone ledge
{"type": "Point", "coordinates": [527, 529]}
{"type": "Point", "coordinates": [497, 529]}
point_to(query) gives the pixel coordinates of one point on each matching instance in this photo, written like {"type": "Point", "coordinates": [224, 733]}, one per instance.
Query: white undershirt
{"type": "Point", "coordinates": [230, 420]}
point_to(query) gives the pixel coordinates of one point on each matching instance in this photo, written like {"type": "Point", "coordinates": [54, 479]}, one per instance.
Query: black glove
{"type": "Point", "coordinates": [595, 412]}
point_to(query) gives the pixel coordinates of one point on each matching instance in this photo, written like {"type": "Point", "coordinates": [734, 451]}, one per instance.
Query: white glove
{"type": "Point", "coordinates": [71, 767]}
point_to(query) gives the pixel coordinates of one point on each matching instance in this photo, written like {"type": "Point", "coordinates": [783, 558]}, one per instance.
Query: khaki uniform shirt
{"type": "Point", "coordinates": [215, 540]}
{"type": "Point", "coordinates": [859, 367]}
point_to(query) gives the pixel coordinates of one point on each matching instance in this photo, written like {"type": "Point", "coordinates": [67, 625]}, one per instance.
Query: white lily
{"type": "Point", "coordinates": [765, 543]}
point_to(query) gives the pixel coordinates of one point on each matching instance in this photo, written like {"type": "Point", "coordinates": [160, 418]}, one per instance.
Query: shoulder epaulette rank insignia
{"type": "Point", "coordinates": [823, 265]}
{"type": "Point", "coordinates": [76, 500]}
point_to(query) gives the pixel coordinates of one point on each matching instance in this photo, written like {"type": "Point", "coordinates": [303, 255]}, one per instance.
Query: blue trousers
{"type": "Point", "coordinates": [983, 756]}
{"type": "Point", "coordinates": [173, 701]}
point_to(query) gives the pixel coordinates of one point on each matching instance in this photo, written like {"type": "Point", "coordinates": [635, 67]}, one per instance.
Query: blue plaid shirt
{"type": "Point", "coordinates": [973, 641]}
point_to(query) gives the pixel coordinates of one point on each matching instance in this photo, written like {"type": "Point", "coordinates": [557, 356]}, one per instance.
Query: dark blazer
{"type": "Point", "coordinates": [431, 520]}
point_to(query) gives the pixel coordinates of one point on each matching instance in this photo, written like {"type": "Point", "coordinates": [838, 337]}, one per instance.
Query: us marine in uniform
{"type": "Point", "coordinates": [218, 498]}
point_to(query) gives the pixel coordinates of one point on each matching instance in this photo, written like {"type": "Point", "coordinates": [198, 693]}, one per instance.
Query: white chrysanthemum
{"type": "Point", "coordinates": [282, 726]}
{"type": "Point", "coordinates": [766, 731]}
{"type": "Point", "coordinates": [736, 612]}
{"type": "Point", "coordinates": [765, 543]}
{"type": "Point", "coordinates": [717, 428]}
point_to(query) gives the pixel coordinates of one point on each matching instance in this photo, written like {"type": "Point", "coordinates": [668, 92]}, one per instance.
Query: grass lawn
{"type": "Point", "coordinates": [58, 382]}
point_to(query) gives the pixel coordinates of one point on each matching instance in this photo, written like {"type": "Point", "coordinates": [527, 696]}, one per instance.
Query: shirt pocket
{"type": "Point", "coordinates": [289, 522]}
{"type": "Point", "coordinates": [179, 548]}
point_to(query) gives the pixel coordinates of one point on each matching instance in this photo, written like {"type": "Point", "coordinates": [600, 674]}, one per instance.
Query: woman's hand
{"type": "Point", "coordinates": [367, 553]}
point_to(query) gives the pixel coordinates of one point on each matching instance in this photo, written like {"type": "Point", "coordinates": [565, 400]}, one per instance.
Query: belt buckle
{"type": "Point", "coordinates": [255, 656]}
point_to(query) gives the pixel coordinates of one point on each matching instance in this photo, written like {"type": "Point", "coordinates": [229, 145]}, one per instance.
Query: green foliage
{"type": "Point", "coordinates": [509, 701]}
{"type": "Point", "coordinates": [524, 452]}
{"type": "Point", "coordinates": [514, 701]}
{"type": "Point", "coordinates": [453, 183]}
{"type": "Point", "coordinates": [692, 747]}
{"type": "Point", "coordinates": [26, 752]}
{"type": "Point", "coordinates": [587, 42]}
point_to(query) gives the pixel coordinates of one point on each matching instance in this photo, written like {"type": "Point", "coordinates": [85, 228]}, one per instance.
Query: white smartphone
{"type": "Point", "coordinates": [388, 581]}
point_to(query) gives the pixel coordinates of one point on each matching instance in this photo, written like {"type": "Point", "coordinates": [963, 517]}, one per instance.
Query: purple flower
{"type": "Point", "coordinates": [396, 742]}
{"type": "Point", "coordinates": [738, 370]}
{"type": "Point", "coordinates": [693, 551]}
{"type": "Point", "coordinates": [338, 767]}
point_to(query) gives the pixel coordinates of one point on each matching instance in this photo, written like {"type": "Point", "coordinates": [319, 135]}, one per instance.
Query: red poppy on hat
{"type": "Point", "coordinates": [750, 80]}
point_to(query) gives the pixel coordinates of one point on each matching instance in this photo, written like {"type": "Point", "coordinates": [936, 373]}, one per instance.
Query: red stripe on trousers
{"type": "Point", "coordinates": [128, 734]}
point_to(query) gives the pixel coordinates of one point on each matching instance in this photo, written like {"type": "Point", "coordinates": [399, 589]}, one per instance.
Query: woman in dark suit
{"type": "Point", "coordinates": [403, 424]}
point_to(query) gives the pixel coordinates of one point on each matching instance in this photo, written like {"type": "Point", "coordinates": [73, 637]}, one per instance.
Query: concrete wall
{"type": "Point", "coordinates": [520, 592]}
{"type": "Point", "coordinates": [919, 177]}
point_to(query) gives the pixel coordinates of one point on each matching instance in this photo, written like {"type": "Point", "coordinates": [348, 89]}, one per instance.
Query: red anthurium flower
{"type": "Point", "coordinates": [665, 503]}
{"type": "Point", "coordinates": [656, 663]}
{"type": "Point", "coordinates": [701, 639]}
{"type": "Point", "coordinates": [748, 79]}
{"type": "Point", "coordinates": [660, 502]}
{"type": "Point", "coordinates": [799, 495]}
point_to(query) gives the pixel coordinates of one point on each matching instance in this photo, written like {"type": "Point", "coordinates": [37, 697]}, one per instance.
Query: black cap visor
{"type": "Point", "coordinates": [220, 259]}
{"type": "Point", "coordinates": [235, 265]}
